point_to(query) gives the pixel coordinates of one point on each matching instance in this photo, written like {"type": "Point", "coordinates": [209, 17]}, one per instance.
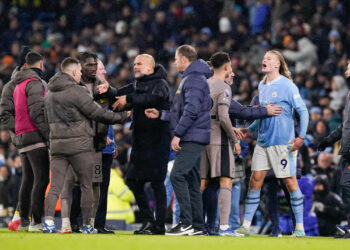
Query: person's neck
{"type": "Point", "coordinates": [219, 75]}
{"type": "Point", "coordinates": [271, 76]}
{"type": "Point", "coordinates": [186, 66]}
{"type": "Point", "coordinates": [87, 80]}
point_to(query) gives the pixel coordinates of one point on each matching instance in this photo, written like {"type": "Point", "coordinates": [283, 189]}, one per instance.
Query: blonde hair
{"type": "Point", "coordinates": [283, 70]}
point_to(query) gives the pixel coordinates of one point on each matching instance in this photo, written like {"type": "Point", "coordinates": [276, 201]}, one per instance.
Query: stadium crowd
{"type": "Point", "coordinates": [313, 36]}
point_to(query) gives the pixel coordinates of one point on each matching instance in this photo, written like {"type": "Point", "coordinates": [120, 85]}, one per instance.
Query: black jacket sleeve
{"type": "Point", "coordinates": [113, 92]}
{"type": "Point", "coordinates": [149, 100]}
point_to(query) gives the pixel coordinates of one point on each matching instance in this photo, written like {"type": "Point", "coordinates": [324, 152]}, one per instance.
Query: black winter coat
{"type": "Point", "coordinates": [150, 137]}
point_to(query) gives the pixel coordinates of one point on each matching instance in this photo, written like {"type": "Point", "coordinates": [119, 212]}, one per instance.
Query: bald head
{"type": "Point", "coordinates": [144, 65]}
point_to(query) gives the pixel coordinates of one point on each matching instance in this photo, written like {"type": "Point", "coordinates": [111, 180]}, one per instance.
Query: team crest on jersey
{"type": "Point", "coordinates": [227, 93]}
{"type": "Point", "coordinates": [274, 94]}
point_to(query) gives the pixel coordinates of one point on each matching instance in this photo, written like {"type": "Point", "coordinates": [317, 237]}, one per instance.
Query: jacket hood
{"type": "Point", "coordinates": [60, 81]}
{"type": "Point", "coordinates": [159, 73]}
{"type": "Point", "coordinates": [199, 66]}
{"type": "Point", "coordinates": [24, 74]}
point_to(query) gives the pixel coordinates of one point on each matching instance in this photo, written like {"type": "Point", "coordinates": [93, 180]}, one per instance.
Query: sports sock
{"type": "Point", "coordinates": [297, 202]}
{"type": "Point", "coordinates": [16, 216]}
{"type": "Point", "coordinates": [50, 222]}
{"type": "Point", "coordinates": [251, 204]}
{"type": "Point", "coordinates": [224, 227]}
{"type": "Point", "coordinates": [224, 204]}
{"type": "Point", "coordinates": [66, 223]}
{"type": "Point", "coordinates": [92, 221]}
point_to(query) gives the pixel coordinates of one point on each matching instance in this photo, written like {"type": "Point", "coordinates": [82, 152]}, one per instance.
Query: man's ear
{"type": "Point", "coordinates": [225, 67]}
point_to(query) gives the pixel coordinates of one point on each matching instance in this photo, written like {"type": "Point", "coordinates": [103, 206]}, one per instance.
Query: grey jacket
{"type": "Point", "coordinates": [70, 111]}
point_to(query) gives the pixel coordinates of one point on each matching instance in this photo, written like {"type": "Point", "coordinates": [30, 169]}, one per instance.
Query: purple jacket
{"type": "Point", "coordinates": [190, 113]}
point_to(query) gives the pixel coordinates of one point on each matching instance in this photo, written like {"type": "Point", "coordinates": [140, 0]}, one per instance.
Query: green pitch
{"type": "Point", "coordinates": [125, 241]}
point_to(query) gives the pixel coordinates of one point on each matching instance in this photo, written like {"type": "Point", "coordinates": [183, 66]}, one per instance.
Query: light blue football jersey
{"type": "Point", "coordinates": [279, 130]}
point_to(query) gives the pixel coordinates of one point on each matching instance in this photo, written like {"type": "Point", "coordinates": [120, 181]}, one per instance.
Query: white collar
{"type": "Point", "coordinates": [274, 81]}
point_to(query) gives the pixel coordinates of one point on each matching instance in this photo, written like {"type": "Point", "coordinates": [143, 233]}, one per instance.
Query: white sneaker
{"type": "Point", "coordinates": [36, 228]}
{"type": "Point", "coordinates": [66, 228]}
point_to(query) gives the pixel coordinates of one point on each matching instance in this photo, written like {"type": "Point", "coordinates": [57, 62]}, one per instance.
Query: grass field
{"type": "Point", "coordinates": [123, 240]}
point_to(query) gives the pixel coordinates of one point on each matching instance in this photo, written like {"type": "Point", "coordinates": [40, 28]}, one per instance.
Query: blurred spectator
{"type": "Point", "coordinates": [303, 54]}
{"type": "Point", "coordinates": [119, 197]}
{"type": "Point", "coordinates": [320, 130]}
{"type": "Point", "coordinates": [338, 93]}
{"type": "Point", "coordinates": [328, 207]}
{"type": "Point", "coordinates": [324, 166]}
{"type": "Point", "coordinates": [333, 119]}
{"type": "Point", "coordinates": [315, 115]}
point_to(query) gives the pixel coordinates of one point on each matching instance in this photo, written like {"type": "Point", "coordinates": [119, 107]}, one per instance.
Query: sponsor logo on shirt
{"type": "Point", "coordinates": [274, 94]}
{"type": "Point", "coordinates": [295, 96]}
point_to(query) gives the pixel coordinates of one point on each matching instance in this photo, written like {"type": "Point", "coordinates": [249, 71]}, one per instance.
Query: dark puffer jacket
{"type": "Point", "coordinates": [151, 137]}
{"type": "Point", "coordinates": [70, 110]}
{"type": "Point", "coordinates": [101, 129]}
{"type": "Point", "coordinates": [7, 108]}
{"type": "Point", "coordinates": [34, 91]}
{"type": "Point", "coordinates": [190, 113]}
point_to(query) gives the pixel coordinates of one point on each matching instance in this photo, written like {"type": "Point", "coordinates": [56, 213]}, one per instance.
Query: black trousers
{"type": "Point", "coordinates": [185, 178]}
{"type": "Point", "coordinates": [100, 219]}
{"type": "Point", "coordinates": [273, 186]}
{"type": "Point", "coordinates": [210, 202]}
{"type": "Point", "coordinates": [35, 178]}
{"type": "Point", "coordinates": [345, 186]}
{"type": "Point", "coordinates": [137, 187]}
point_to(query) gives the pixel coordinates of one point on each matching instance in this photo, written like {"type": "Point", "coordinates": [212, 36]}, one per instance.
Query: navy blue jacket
{"type": "Point", "coordinates": [238, 111]}
{"type": "Point", "coordinates": [190, 113]}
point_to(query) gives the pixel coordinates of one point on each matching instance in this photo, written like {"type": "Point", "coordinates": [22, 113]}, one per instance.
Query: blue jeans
{"type": "Point", "coordinates": [234, 220]}
{"type": "Point", "coordinates": [169, 196]}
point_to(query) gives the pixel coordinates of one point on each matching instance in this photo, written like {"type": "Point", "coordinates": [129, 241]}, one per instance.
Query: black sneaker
{"type": "Point", "coordinates": [198, 233]}
{"type": "Point", "coordinates": [180, 229]}
{"type": "Point", "coordinates": [76, 229]}
{"type": "Point", "coordinates": [146, 228]}
{"type": "Point", "coordinates": [104, 231]}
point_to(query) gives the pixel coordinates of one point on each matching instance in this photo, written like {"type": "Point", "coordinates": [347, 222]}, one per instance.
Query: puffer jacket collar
{"type": "Point", "coordinates": [24, 74]}
{"type": "Point", "coordinates": [60, 81]}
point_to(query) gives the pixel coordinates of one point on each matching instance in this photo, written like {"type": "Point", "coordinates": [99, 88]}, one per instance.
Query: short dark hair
{"type": "Point", "coordinates": [82, 56]}
{"type": "Point", "coordinates": [33, 57]}
{"type": "Point", "coordinates": [219, 59]}
{"type": "Point", "coordinates": [188, 51]}
{"type": "Point", "coordinates": [68, 61]}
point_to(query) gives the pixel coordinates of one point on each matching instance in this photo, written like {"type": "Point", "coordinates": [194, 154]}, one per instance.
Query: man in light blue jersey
{"type": "Point", "coordinates": [277, 146]}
